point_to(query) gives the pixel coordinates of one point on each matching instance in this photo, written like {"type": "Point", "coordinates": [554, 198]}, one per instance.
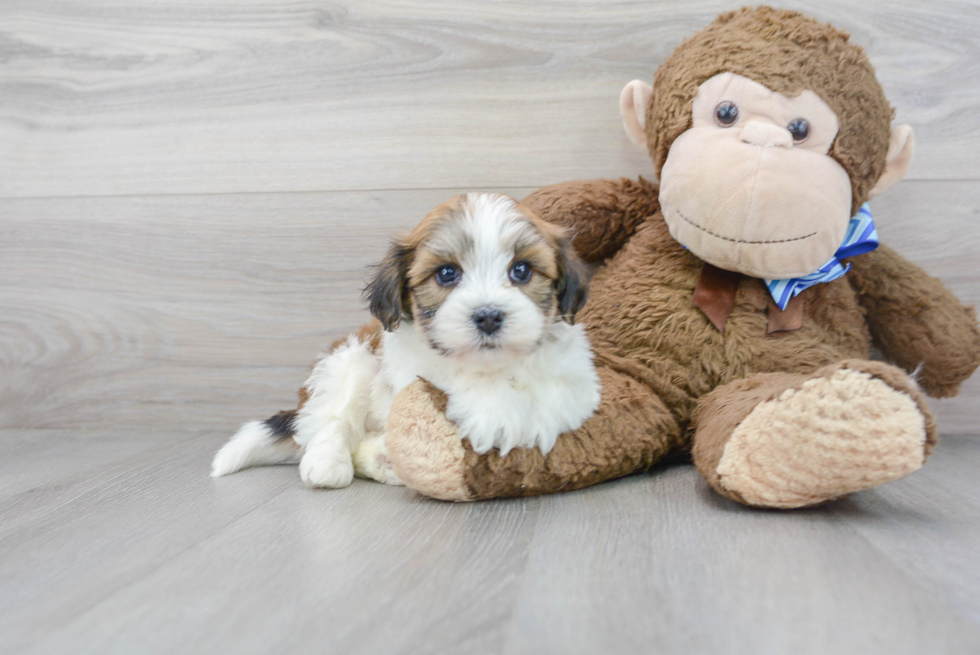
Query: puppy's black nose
{"type": "Point", "coordinates": [488, 320]}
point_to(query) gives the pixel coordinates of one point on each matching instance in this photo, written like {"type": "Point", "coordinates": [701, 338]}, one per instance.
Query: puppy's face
{"type": "Point", "coordinates": [480, 274]}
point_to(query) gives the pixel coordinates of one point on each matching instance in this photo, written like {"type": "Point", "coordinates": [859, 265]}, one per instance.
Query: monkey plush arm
{"type": "Point", "coordinates": [600, 215]}
{"type": "Point", "coordinates": [917, 321]}
{"type": "Point", "coordinates": [631, 430]}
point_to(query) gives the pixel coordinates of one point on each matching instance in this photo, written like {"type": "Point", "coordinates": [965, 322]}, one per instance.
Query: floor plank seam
{"type": "Point", "coordinates": [348, 190]}
{"type": "Point", "coordinates": [286, 192]}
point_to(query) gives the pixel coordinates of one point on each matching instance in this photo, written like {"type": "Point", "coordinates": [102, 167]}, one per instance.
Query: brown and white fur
{"type": "Point", "coordinates": [479, 300]}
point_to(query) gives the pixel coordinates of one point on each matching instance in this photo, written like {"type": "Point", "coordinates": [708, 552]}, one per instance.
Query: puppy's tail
{"type": "Point", "coordinates": [259, 443]}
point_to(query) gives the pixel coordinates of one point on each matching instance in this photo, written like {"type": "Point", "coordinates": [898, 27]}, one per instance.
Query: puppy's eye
{"type": "Point", "coordinates": [726, 113]}
{"type": "Point", "coordinates": [800, 129]}
{"type": "Point", "coordinates": [447, 275]}
{"type": "Point", "coordinates": [520, 272]}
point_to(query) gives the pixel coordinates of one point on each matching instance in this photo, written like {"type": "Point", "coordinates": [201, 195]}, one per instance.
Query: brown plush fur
{"type": "Point", "coordinates": [917, 320]}
{"type": "Point", "coordinates": [602, 218]}
{"type": "Point", "coordinates": [672, 382]}
{"type": "Point", "coordinates": [788, 53]}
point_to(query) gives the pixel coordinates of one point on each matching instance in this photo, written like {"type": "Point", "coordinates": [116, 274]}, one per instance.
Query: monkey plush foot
{"type": "Point", "coordinates": [789, 441]}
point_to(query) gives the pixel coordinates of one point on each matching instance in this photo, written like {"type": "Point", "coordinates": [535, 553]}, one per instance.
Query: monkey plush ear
{"type": "Point", "coordinates": [901, 146]}
{"type": "Point", "coordinates": [633, 108]}
{"type": "Point", "coordinates": [386, 292]}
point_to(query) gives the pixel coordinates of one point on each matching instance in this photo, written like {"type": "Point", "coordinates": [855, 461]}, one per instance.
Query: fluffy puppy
{"type": "Point", "coordinates": [479, 300]}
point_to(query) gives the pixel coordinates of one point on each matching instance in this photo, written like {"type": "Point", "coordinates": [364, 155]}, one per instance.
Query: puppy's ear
{"type": "Point", "coordinates": [573, 282]}
{"type": "Point", "coordinates": [387, 292]}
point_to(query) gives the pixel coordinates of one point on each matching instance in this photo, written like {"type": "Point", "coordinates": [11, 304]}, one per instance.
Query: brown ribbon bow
{"type": "Point", "coordinates": [715, 296]}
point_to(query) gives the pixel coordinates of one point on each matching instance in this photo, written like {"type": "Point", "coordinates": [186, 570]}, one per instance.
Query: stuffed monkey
{"type": "Point", "coordinates": [734, 305]}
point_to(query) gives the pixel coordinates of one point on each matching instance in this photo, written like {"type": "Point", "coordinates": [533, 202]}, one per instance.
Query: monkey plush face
{"type": "Point", "coordinates": [769, 131]}
{"type": "Point", "coordinates": [749, 187]}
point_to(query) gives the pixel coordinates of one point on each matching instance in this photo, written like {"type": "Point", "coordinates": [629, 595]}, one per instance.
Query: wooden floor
{"type": "Point", "coordinates": [119, 542]}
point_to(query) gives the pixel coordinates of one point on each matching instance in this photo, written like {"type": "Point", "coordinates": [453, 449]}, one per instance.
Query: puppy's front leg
{"type": "Point", "coordinates": [332, 421]}
{"type": "Point", "coordinates": [327, 461]}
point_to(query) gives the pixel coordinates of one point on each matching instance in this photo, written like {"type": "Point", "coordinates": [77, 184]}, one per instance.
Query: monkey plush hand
{"type": "Point", "coordinates": [733, 308]}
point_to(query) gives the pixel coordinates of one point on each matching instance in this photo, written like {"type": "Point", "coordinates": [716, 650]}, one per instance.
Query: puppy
{"type": "Point", "coordinates": [479, 299]}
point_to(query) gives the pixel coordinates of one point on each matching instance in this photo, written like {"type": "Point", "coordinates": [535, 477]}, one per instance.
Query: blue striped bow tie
{"type": "Point", "coordinates": [861, 237]}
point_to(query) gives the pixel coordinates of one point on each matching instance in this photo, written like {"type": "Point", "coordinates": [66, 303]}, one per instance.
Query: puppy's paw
{"type": "Point", "coordinates": [490, 427]}
{"type": "Point", "coordinates": [326, 467]}
{"type": "Point", "coordinates": [371, 461]}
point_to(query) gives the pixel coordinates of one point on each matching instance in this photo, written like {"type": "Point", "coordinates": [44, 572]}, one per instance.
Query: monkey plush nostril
{"type": "Point", "coordinates": [488, 320]}
{"type": "Point", "coordinates": [767, 135]}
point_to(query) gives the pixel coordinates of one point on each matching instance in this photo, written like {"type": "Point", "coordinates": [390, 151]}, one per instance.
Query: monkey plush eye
{"type": "Point", "coordinates": [520, 272]}
{"type": "Point", "coordinates": [726, 113]}
{"type": "Point", "coordinates": [800, 129]}
{"type": "Point", "coordinates": [447, 275]}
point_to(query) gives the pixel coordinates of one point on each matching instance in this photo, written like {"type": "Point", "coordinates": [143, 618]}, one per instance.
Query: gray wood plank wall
{"type": "Point", "coordinates": [190, 192]}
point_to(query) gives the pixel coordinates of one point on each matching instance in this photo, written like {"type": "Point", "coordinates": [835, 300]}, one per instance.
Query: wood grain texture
{"type": "Point", "coordinates": [207, 310]}
{"type": "Point", "coordinates": [136, 97]}
{"type": "Point", "coordinates": [155, 557]}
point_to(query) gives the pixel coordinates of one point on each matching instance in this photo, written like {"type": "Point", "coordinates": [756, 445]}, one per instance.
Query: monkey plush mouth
{"type": "Point", "coordinates": [718, 236]}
